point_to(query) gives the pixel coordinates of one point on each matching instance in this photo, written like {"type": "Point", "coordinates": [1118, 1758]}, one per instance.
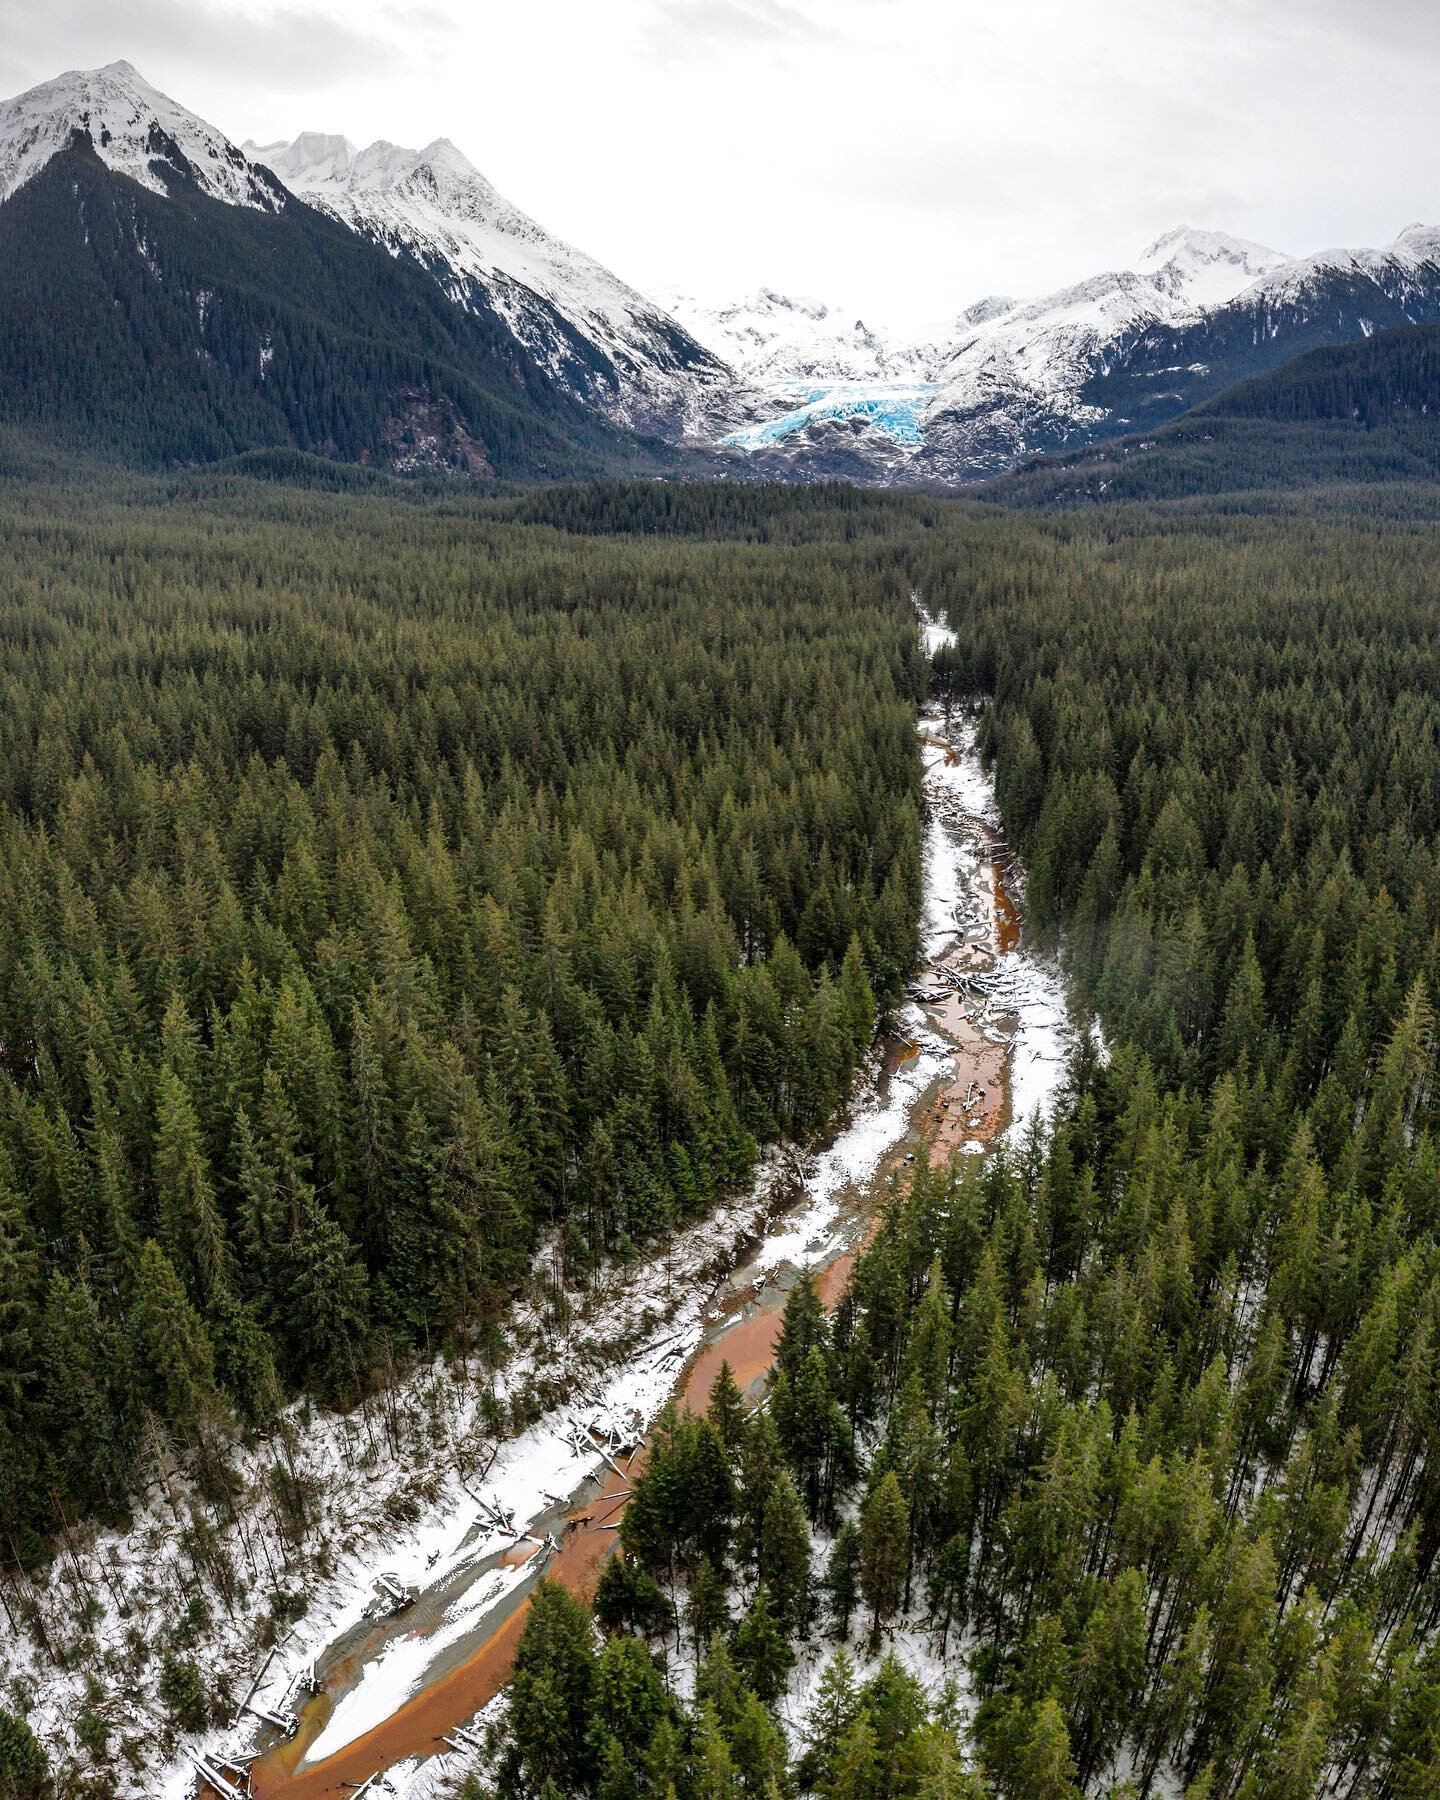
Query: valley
{"type": "Point", "coordinates": [719, 1045]}
{"type": "Point", "coordinates": [597, 1002]}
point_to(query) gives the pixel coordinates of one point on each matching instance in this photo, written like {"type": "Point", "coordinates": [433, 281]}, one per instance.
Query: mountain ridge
{"type": "Point", "coordinates": [591, 331]}
{"type": "Point", "coordinates": [1340, 416]}
{"type": "Point", "coordinates": [159, 324]}
{"type": "Point", "coordinates": [772, 386]}
{"type": "Point", "coordinates": [134, 129]}
{"type": "Point", "coordinates": [1200, 310]}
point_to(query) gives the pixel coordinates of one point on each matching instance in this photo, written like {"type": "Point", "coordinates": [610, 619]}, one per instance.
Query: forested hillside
{"type": "Point", "coordinates": [1136, 1428]}
{"type": "Point", "coordinates": [172, 329]}
{"type": "Point", "coordinates": [1333, 300]}
{"type": "Point", "coordinates": [1346, 415]}
{"type": "Point", "coordinates": [391, 887]}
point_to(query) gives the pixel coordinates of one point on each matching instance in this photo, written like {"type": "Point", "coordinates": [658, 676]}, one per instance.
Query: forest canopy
{"type": "Point", "coordinates": [1133, 1426]}
{"type": "Point", "coordinates": [400, 881]}
{"type": "Point", "coordinates": [387, 886]}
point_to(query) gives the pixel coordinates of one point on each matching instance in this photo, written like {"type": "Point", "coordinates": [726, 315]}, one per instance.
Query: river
{"type": "Point", "coordinates": [978, 1051]}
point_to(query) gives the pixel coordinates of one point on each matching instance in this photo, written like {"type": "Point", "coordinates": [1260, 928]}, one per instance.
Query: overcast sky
{"type": "Point", "coordinates": [899, 156]}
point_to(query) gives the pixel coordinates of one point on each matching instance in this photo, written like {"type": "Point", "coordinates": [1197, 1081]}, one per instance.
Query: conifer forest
{"type": "Point", "coordinates": [414, 898]}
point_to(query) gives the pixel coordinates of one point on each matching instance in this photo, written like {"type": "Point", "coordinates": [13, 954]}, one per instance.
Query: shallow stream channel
{"type": "Point", "coordinates": [978, 1049]}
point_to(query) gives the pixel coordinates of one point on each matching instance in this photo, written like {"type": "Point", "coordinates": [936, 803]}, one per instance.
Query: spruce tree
{"type": "Point", "coordinates": [173, 1353]}
{"type": "Point", "coordinates": [551, 1690]}
{"type": "Point", "coordinates": [23, 1763]}
{"type": "Point", "coordinates": [707, 1606]}
{"type": "Point", "coordinates": [762, 1650]}
{"type": "Point", "coordinates": [713, 1774]}
{"type": "Point", "coordinates": [855, 1769]}
{"type": "Point", "coordinates": [726, 1408]}
{"type": "Point", "coordinates": [784, 1562]}
{"type": "Point", "coordinates": [831, 1716]}
{"type": "Point", "coordinates": [842, 1577]}
{"type": "Point", "coordinates": [884, 1531]}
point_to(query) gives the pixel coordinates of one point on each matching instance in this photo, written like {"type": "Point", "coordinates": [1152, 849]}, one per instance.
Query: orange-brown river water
{"type": "Point", "coordinates": [969, 1106]}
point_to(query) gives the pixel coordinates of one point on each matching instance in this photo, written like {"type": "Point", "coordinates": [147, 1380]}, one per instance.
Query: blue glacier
{"type": "Point", "coordinates": [891, 408]}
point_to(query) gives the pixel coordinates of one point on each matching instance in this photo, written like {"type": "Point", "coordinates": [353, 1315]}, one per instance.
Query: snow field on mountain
{"type": "Point", "coordinates": [121, 113]}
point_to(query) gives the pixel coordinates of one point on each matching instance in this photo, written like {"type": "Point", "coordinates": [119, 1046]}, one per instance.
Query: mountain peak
{"type": "Point", "coordinates": [456, 179]}
{"type": "Point", "coordinates": [443, 150]}
{"type": "Point", "coordinates": [133, 128]}
{"type": "Point", "coordinates": [320, 163]}
{"type": "Point", "coordinates": [774, 336]}
{"type": "Point", "coordinates": [584, 326]}
{"type": "Point", "coordinates": [1419, 239]}
{"type": "Point", "coordinates": [986, 310]}
{"type": "Point", "coordinates": [313, 158]}
{"type": "Point", "coordinates": [1198, 267]}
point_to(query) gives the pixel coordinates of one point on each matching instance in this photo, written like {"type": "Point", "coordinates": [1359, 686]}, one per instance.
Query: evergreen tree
{"type": "Point", "coordinates": [884, 1530]}
{"type": "Point", "coordinates": [784, 1562]}
{"type": "Point", "coordinates": [761, 1648]}
{"type": "Point", "coordinates": [855, 1771]}
{"type": "Point", "coordinates": [627, 1697]}
{"type": "Point", "coordinates": [726, 1409]}
{"type": "Point", "coordinates": [833, 1712]}
{"type": "Point", "coordinates": [551, 1691]}
{"type": "Point", "coordinates": [842, 1576]}
{"type": "Point", "coordinates": [189, 1218]}
{"type": "Point", "coordinates": [23, 1763]}
{"type": "Point", "coordinates": [172, 1351]}
{"type": "Point", "coordinates": [713, 1770]}
{"type": "Point", "coordinates": [1044, 1768]}
{"type": "Point", "coordinates": [707, 1609]}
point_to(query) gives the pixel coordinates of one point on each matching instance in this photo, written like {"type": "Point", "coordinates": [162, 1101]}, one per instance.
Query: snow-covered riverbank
{"type": "Point", "coordinates": [417, 1488]}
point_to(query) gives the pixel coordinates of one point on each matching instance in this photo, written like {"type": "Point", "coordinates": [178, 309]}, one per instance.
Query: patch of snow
{"type": "Point", "coordinates": [808, 1237]}
{"type": "Point", "coordinates": [1034, 986]}
{"type": "Point", "coordinates": [934, 633]}
{"type": "Point", "coordinates": [399, 1672]}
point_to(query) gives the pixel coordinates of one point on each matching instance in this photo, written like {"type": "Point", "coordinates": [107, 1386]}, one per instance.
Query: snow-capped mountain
{"type": "Point", "coordinates": [1334, 297]}
{"type": "Point", "coordinates": [1397, 269]}
{"type": "Point", "coordinates": [787, 386]}
{"type": "Point", "coordinates": [970, 397]}
{"type": "Point", "coordinates": [841, 394]}
{"type": "Point", "coordinates": [165, 299]}
{"type": "Point", "coordinates": [134, 129]}
{"type": "Point", "coordinates": [593, 333]}
{"type": "Point", "coordinates": [773, 337]}
{"type": "Point", "coordinates": [779, 337]}
{"type": "Point", "coordinates": [1206, 268]}
{"type": "Point", "coordinates": [1014, 379]}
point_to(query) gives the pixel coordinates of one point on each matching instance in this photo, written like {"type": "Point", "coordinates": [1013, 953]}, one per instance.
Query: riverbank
{"type": "Point", "coordinates": [981, 1051]}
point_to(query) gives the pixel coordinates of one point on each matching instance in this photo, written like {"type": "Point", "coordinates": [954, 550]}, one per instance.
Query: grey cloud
{"type": "Point", "coordinates": [290, 48]}
{"type": "Point", "coordinates": [433, 20]}
{"type": "Point", "coordinates": [1405, 26]}
{"type": "Point", "coordinates": [692, 27]}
